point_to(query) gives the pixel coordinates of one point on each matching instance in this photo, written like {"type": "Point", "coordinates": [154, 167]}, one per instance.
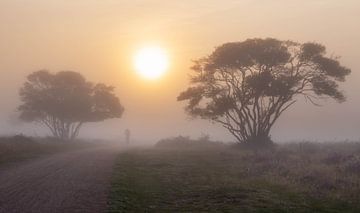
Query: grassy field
{"type": "Point", "coordinates": [19, 148]}
{"type": "Point", "coordinates": [304, 177]}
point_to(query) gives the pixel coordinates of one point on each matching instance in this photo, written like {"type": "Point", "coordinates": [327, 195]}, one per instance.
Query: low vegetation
{"type": "Point", "coordinates": [19, 148]}
{"type": "Point", "coordinates": [203, 176]}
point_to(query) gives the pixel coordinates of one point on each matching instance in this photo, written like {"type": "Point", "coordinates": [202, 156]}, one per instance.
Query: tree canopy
{"type": "Point", "coordinates": [64, 101]}
{"type": "Point", "coordinates": [246, 86]}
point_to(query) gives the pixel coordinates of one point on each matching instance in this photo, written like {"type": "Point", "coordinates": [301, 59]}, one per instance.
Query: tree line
{"type": "Point", "coordinates": [243, 86]}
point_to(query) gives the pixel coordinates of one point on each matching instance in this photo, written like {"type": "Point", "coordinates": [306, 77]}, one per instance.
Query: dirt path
{"type": "Point", "coordinates": [69, 182]}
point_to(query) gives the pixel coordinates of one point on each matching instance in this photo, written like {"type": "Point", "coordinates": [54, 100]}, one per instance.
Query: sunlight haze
{"type": "Point", "coordinates": [100, 39]}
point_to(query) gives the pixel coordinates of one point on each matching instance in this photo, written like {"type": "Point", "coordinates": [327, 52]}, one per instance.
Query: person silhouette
{"type": "Point", "coordinates": [127, 136]}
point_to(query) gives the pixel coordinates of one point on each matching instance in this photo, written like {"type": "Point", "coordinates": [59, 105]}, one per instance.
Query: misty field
{"type": "Point", "coordinates": [20, 148]}
{"type": "Point", "coordinates": [211, 177]}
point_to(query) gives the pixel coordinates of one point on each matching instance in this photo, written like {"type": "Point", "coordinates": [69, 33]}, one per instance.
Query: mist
{"type": "Point", "coordinates": [179, 106]}
{"type": "Point", "coordinates": [98, 40]}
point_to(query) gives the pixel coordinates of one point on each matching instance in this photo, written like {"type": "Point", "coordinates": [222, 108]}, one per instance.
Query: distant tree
{"type": "Point", "coordinates": [64, 101]}
{"type": "Point", "coordinates": [246, 86]}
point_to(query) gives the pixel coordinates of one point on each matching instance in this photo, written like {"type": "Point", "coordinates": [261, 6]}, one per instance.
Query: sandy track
{"type": "Point", "coordinates": [76, 181]}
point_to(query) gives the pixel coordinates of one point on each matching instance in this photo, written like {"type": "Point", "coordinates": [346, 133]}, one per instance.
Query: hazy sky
{"type": "Point", "coordinates": [100, 38]}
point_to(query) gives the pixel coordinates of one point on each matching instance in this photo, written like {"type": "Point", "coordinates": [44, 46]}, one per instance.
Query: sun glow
{"type": "Point", "coordinates": [151, 62]}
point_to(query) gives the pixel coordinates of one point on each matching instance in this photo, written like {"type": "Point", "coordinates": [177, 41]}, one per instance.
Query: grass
{"type": "Point", "coordinates": [301, 177]}
{"type": "Point", "coordinates": [20, 148]}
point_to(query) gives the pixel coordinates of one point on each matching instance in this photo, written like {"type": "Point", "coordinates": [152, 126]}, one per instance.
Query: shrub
{"type": "Point", "coordinates": [188, 143]}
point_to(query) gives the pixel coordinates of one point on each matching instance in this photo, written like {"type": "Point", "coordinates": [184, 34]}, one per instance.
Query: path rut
{"type": "Point", "coordinates": [76, 181]}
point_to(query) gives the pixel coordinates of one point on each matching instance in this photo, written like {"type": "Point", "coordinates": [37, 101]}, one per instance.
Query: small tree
{"type": "Point", "coordinates": [246, 86]}
{"type": "Point", "coordinates": [64, 101]}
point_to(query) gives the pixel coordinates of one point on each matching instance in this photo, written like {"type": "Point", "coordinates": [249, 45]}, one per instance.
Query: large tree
{"type": "Point", "coordinates": [246, 86]}
{"type": "Point", "coordinates": [64, 101]}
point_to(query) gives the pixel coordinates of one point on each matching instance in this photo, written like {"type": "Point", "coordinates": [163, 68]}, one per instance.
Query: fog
{"type": "Point", "coordinates": [99, 39]}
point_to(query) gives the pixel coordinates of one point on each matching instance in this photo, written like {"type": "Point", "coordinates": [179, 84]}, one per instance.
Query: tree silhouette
{"type": "Point", "coordinates": [64, 101]}
{"type": "Point", "coordinates": [246, 86]}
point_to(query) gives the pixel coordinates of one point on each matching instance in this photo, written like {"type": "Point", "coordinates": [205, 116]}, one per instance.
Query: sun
{"type": "Point", "coordinates": [151, 62]}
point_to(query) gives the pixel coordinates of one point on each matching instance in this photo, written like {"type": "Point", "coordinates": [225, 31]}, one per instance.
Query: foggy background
{"type": "Point", "coordinates": [99, 38]}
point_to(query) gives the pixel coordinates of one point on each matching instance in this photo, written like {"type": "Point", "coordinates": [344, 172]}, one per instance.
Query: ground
{"type": "Point", "coordinates": [20, 148]}
{"type": "Point", "coordinates": [178, 175]}
{"type": "Point", "coordinates": [297, 178]}
{"type": "Point", "coordinates": [71, 181]}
